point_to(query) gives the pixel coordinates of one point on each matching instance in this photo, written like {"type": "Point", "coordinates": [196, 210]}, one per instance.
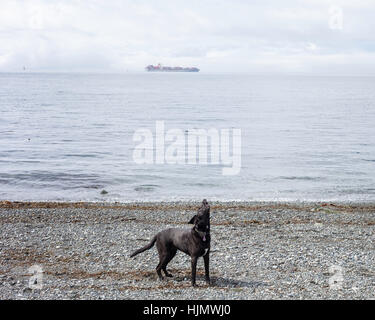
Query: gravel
{"type": "Point", "coordinates": [258, 251]}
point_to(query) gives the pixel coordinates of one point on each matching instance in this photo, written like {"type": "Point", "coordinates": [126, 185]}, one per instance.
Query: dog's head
{"type": "Point", "coordinates": [201, 220]}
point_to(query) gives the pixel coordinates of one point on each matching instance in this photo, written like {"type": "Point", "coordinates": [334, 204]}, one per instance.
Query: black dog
{"type": "Point", "coordinates": [195, 242]}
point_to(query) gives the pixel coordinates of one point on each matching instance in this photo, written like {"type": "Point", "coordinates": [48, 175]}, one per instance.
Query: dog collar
{"type": "Point", "coordinates": [199, 233]}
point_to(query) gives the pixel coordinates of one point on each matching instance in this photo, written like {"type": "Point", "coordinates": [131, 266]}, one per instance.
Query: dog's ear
{"type": "Point", "coordinates": [192, 220]}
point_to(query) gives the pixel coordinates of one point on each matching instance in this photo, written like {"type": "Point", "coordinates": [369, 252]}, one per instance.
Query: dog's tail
{"type": "Point", "coordinates": [149, 246]}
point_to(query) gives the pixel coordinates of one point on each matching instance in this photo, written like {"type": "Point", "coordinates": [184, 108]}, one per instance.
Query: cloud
{"type": "Point", "coordinates": [240, 36]}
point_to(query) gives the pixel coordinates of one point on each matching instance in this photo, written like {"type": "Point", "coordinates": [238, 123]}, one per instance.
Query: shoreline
{"type": "Point", "coordinates": [5, 202]}
{"type": "Point", "coordinates": [170, 205]}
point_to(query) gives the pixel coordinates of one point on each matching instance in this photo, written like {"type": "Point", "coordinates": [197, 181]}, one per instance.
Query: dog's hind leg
{"type": "Point", "coordinates": [158, 269]}
{"type": "Point", "coordinates": [163, 253]}
{"type": "Point", "coordinates": [169, 257]}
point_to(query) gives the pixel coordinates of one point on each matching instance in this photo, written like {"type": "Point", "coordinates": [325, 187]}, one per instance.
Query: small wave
{"type": "Point", "coordinates": [359, 191]}
{"type": "Point", "coordinates": [305, 178]}
{"type": "Point", "coordinates": [200, 184]}
{"type": "Point", "coordinates": [20, 161]}
{"type": "Point", "coordinates": [146, 188]}
{"type": "Point", "coordinates": [61, 180]}
{"type": "Point", "coordinates": [80, 155]}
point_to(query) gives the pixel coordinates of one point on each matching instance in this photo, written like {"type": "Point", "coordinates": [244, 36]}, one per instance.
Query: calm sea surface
{"type": "Point", "coordinates": [69, 136]}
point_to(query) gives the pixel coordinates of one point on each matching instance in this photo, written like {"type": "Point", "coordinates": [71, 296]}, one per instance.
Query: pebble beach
{"type": "Point", "coordinates": [259, 250]}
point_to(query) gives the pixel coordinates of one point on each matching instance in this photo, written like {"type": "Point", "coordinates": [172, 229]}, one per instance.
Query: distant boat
{"type": "Point", "coordinates": [160, 68]}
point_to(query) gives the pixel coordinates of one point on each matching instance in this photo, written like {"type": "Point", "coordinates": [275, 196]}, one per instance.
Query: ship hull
{"type": "Point", "coordinates": [173, 70]}
{"type": "Point", "coordinates": [159, 68]}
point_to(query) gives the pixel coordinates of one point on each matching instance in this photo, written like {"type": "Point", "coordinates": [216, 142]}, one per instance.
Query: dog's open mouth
{"type": "Point", "coordinates": [202, 234]}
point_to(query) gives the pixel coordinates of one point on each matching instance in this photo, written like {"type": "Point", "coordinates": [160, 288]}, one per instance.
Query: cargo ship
{"type": "Point", "coordinates": [160, 68]}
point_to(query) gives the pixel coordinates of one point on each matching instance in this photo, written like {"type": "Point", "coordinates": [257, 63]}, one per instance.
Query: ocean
{"type": "Point", "coordinates": [68, 137]}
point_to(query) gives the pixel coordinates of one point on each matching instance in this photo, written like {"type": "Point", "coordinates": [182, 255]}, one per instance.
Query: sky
{"type": "Point", "coordinates": [259, 36]}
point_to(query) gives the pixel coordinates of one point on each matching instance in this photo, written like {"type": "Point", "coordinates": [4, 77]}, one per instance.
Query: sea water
{"type": "Point", "coordinates": [68, 137]}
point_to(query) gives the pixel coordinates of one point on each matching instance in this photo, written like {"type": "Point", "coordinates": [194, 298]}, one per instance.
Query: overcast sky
{"type": "Point", "coordinates": [318, 36]}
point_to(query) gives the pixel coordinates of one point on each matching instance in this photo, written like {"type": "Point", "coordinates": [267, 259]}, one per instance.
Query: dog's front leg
{"type": "Point", "coordinates": [193, 270]}
{"type": "Point", "coordinates": [206, 259]}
